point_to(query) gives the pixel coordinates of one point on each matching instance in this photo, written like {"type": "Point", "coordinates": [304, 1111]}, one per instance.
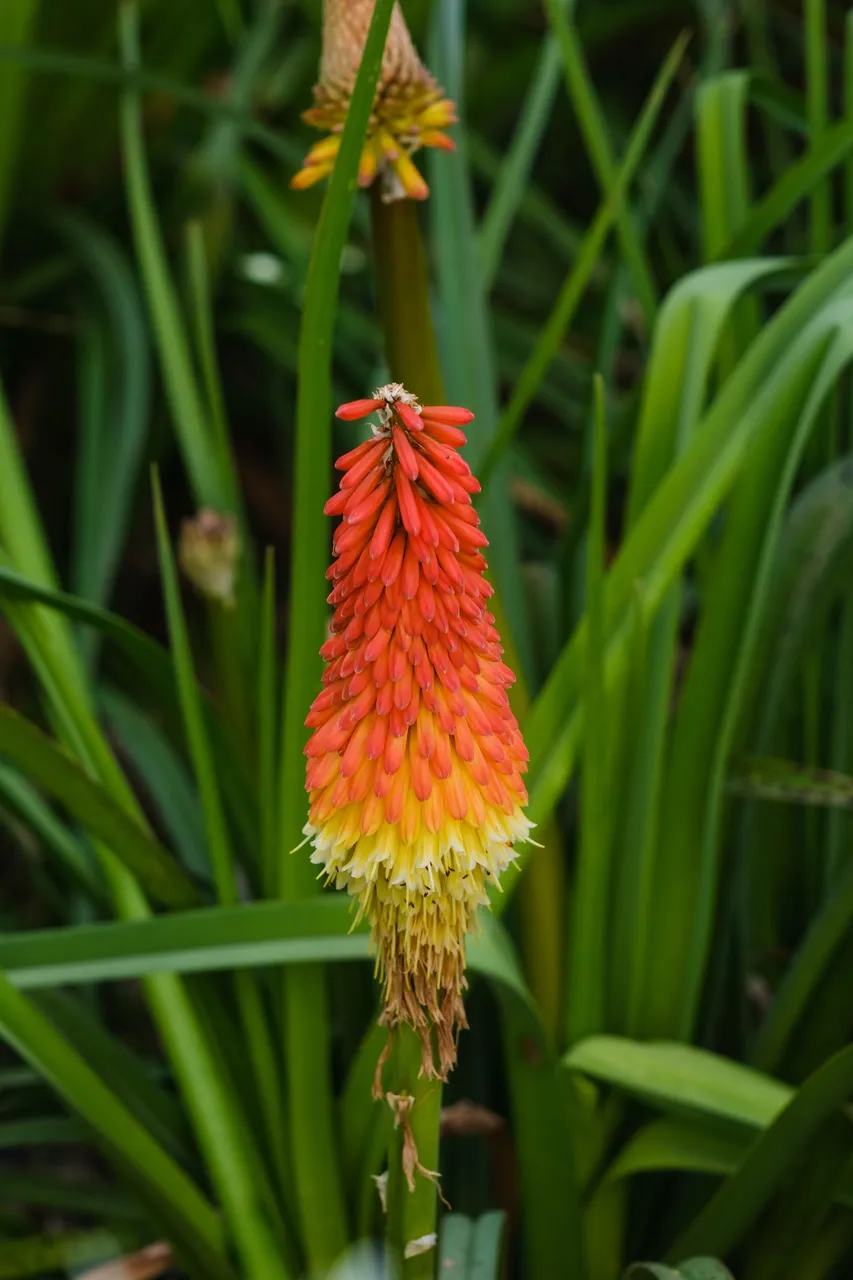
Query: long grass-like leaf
{"type": "Point", "coordinates": [512, 177]}
{"type": "Point", "coordinates": [129, 1077]}
{"type": "Point", "coordinates": [817, 110]}
{"type": "Point", "coordinates": [543, 1121]}
{"type": "Point", "coordinates": [165, 777]}
{"type": "Point", "coordinates": [212, 484]}
{"type": "Point", "coordinates": [588, 256]}
{"type": "Point", "coordinates": [723, 1221]}
{"type": "Point", "coordinates": [722, 657]}
{"type": "Point", "coordinates": [267, 721]}
{"type": "Point", "coordinates": [588, 972]}
{"type": "Point", "coordinates": [821, 945]}
{"type": "Point", "coordinates": [44, 763]}
{"type": "Point", "coordinates": [691, 322]}
{"type": "Point", "coordinates": [218, 840]}
{"type": "Point", "coordinates": [802, 177]}
{"type": "Point", "coordinates": [673, 521]}
{"type": "Point", "coordinates": [595, 133]}
{"type": "Point", "coordinates": [113, 431]}
{"type": "Point", "coordinates": [151, 671]}
{"type": "Point", "coordinates": [18, 796]}
{"type": "Point", "coordinates": [466, 344]}
{"type": "Point", "coordinates": [681, 1078]}
{"type": "Point", "coordinates": [175, 1198]}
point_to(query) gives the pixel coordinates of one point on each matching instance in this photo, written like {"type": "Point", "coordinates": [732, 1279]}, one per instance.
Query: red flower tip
{"type": "Point", "coordinates": [408, 417]}
{"type": "Point", "coordinates": [356, 409]}
{"type": "Point", "coordinates": [450, 415]}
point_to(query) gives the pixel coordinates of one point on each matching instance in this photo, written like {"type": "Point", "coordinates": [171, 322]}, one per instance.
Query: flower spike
{"type": "Point", "coordinates": [415, 762]}
{"type": "Point", "coordinates": [409, 110]}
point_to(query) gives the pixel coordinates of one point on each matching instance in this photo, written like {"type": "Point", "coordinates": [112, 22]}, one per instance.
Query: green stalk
{"type": "Point", "coordinates": [403, 289]}
{"type": "Point", "coordinates": [411, 1223]}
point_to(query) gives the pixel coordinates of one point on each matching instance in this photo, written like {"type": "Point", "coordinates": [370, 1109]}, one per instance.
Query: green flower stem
{"type": "Point", "coordinates": [412, 1213]}
{"type": "Point", "coordinates": [403, 288]}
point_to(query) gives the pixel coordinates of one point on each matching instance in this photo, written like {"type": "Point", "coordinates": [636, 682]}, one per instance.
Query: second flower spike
{"type": "Point", "coordinates": [409, 111]}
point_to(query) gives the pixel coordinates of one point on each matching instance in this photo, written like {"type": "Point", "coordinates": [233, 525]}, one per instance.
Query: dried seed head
{"type": "Point", "coordinates": [415, 762]}
{"type": "Point", "coordinates": [409, 110]}
{"type": "Point", "coordinates": [208, 552]}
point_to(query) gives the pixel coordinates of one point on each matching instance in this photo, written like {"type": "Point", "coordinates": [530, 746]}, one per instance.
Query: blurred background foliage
{"type": "Point", "coordinates": [694, 890]}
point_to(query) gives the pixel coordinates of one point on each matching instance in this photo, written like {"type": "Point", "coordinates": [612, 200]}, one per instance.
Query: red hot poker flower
{"type": "Point", "coordinates": [415, 764]}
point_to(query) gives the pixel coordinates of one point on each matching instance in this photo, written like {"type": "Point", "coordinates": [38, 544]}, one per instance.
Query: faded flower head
{"type": "Point", "coordinates": [409, 111]}
{"type": "Point", "coordinates": [208, 552]}
{"type": "Point", "coordinates": [415, 764]}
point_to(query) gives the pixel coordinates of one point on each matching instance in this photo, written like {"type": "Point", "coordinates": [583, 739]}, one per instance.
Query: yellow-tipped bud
{"type": "Point", "coordinates": [409, 110]}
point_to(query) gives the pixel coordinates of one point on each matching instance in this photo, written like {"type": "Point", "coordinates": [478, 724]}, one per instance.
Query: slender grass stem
{"type": "Point", "coordinates": [817, 109]}
{"type": "Point", "coordinates": [594, 129]}
{"type": "Point", "coordinates": [848, 116]}
{"type": "Point", "coordinates": [588, 973]}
